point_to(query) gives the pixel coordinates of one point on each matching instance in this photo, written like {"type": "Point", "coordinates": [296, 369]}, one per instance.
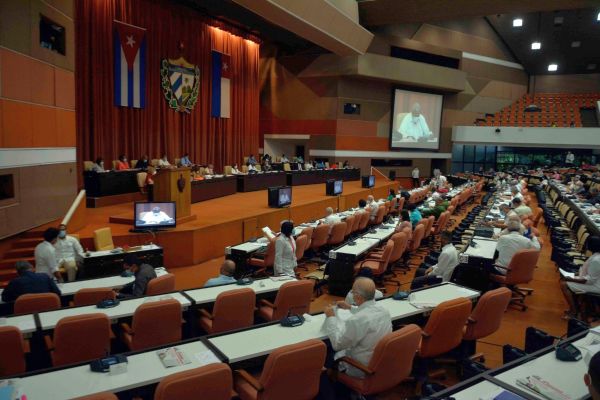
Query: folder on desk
{"type": "Point", "coordinates": [172, 357]}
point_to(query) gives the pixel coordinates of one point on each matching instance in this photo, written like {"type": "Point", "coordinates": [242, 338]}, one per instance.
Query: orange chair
{"type": "Point", "coordinates": [262, 264]}
{"type": "Point", "coordinates": [292, 297]}
{"type": "Point", "coordinates": [13, 349]}
{"type": "Point", "coordinates": [377, 264]}
{"type": "Point", "coordinates": [320, 237]}
{"type": "Point", "coordinates": [428, 227]}
{"type": "Point", "coordinates": [308, 231]}
{"type": "Point", "coordinates": [390, 364]}
{"type": "Point", "coordinates": [213, 381]}
{"type": "Point", "coordinates": [381, 211]}
{"type": "Point", "coordinates": [401, 204]}
{"type": "Point", "coordinates": [519, 270]}
{"type": "Point", "coordinates": [35, 303]}
{"type": "Point", "coordinates": [79, 338]}
{"type": "Point", "coordinates": [415, 242]}
{"type": "Point", "coordinates": [349, 225]}
{"type": "Point", "coordinates": [100, 396]}
{"type": "Point", "coordinates": [161, 285]}
{"type": "Point", "coordinates": [444, 329]}
{"type": "Point", "coordinates": [364, 220]}
{"type": "Point", "coordinates": [290, 372]}
{"type": "Point", "coordinates": [485, 319]}
{"type": "Point", "coordinates": [301, 245]}
{"type": "Point", "coordinates": [356, 224]}
{"type": "Point", "coordinates": [154, 324]}
{"type": "Point", "coordinates": [88, 297]}
{"type": "Point", "coordinates": [337, 234]}
{"type": "Point", "coordinates": [233, 309]}
{"type": "Point", "coordinates": [394, 206]}
{"type": "Point", "coordinates": [439, 226]}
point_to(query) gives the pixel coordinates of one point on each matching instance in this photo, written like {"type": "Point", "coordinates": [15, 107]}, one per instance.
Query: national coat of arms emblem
{"type": "Point", "coordinates": [180, 83]}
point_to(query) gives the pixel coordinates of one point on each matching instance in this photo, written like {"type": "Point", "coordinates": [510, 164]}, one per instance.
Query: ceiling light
{"type": "Point", "coordinates": [536, 46]}
{"type": "Point", "coordinates": [576, 43]}
{"type": "Point", "coordinates": [591, 66]}
{"type": "Point", "coordinates": [517, 22]}
{"type": "Point", "coordinates": [598, 18]}
{"type": "Point", "coordinates": [559, 20]}
{"type": "Point", "coordinates": [552, 67]}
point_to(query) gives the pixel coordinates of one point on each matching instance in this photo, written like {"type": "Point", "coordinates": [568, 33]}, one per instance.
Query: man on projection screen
{"type": "Point", "coordinates": [414, 125]}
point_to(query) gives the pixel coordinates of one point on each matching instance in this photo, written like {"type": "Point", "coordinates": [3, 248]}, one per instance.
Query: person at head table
{"type": "Point", "coordinates": [98, 165]}
{"type": "Point", "coordinates": [509, 244]}
{"type": "Point", "coordinates": [226, 273]}
{"type": "Point", "coordinates": [122, 164]}
{"type": "Point", "coordinates": [185, 160]}
{"type": "Point", "coordinates": [357, 336]}
{"type": "Point", "coordinates": [209, 170]}
{"type": "Point", "coordinates": [143, 163]}
{"type": "Point", "coordinates": [414, 125]}
{"type": "Point", "coordinates": [319, 164]}
{"type": "Point", "coordinates": [143, 274]}
{"type": "Point", "coordinates": [28, 282]}
{"type": "Point", "coordinates": [284, 159]}
{"type": "Point", "coordinates": [234, 169]}
{"type": "Point", "coordinates": [164, 162]}
{"type": "Point", "coordinates": [68, 252]}
{"type": "Point", "coordinates": [251, 160]}
{"type": "Point", "coordinates": [156, 216]}
{"type": "Point", "coordinates": [373, 207]}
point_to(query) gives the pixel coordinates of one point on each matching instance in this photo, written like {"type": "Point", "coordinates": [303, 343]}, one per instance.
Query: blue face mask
{"type": "Point", "coordinates": [62, 234]}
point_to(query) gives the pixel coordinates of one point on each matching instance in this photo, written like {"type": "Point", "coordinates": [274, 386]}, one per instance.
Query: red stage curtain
{"type": "Point", "coordinates": [106, 130]}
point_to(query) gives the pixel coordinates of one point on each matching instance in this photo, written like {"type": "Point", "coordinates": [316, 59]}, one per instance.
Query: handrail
{"type": "Point", "coordinates": [77, 205]}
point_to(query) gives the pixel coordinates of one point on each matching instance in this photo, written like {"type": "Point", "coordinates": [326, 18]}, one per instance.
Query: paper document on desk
{"type": "Point", "coordinates": [543, 388]}
{"type": "Point", "coordinates": [566, 274]}
{"type": "Point", "coordinates": [207, 357]}
{"type": "Point", "coordinates": [172, 357]}
{"type": "Point", "coordinates": [268, 233]}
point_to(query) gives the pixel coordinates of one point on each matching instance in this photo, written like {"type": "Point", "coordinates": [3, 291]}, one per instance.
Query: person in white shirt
{"type": "Point", "coordinates": [235, 170]}
{"type": "Point", "coordinates": [415, 177]}
{"type": "Point", "coordinates": [285, 251]}
{"type": "Point", "coordinates": [514, 190]}
{"type": "Point", "coordinates": [373, 207]}
{"type": "Point", "coordinates": [45, 255]}
{"type": "Point", "coordinates": [209, 170]}
{"type": "Point", "coordinates": [414, 125]}
{"type": "Point", "coordinates": [98, 166]}
{"type": "Point", "coordinates": [443, 269]}
{"type": "Point", "coordinates": [587, 279]}
{"type": "Point", "coordinates": [521, 209]}
{"type": "Point", "coordinates": [357, 336]}
{"type": "Point", "coordinates": [330, 218]}
{"type": "Point", "coordinates": [252, 168]}
{"type": "Point", "coordinates": [164, 162]}
{"type": "Point", "coordinates": [284, 159]}
{"type": "Point", "coordinates": [512, 216]}
{"type": "Point", "coordinates": [509, 244]}
{"type": "Point", "coordinates": [156, 216]}
{"type": "Point", "coordinates": [570, 158]}
{"type": "Point", "coordinates": [68, 252]}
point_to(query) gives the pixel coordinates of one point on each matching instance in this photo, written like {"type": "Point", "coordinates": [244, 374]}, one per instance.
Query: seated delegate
{"type": "Point", "coordinates": [122, 164]}
{"type": "Point", "coordinates": [143, 163]}
{"type": "Point", "coordinates": [443, 269]}
{"type": "Point", "coordinates": [28, 282]}
{"type": "Point", "coordinates": [68, 252]}
{"type": "Point", "coordinates": [143, 274]}
{"type": "Point", "coordinates": [512, 242]}
{"type": "Point", "coordinates": [225, 275]}
{"type": "Point", "coordinates": [98, 165]}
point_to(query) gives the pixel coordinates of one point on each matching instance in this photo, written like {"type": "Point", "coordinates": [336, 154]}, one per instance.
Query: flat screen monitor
{"type": "Point", "coordinates": [334, 187]}
{"type": "Point", "coordinates": [368, 181]}
{"type": "Point", "coordinates": [416, 120]}
{"type": "Point", "coordinates": [280, 196]}
{"type": "Point", "coordinates": [154, 215]}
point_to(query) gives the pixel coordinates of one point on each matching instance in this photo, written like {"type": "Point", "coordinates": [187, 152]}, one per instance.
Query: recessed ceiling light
{"type": "Point", "coordinates": [598, 17]}
{"type": "Point", "coordinates": [552, 67]}
{"type": "Point", "coordinates": [591, 66]}
{"type": "Point", "coordinates": [536, 46]}
{"type": "Point", "coordinates": [559, 20]}
{"type": "Point", "coordinates": [517, 22]}
{"type": "Point", "coordinates": [576, 43]}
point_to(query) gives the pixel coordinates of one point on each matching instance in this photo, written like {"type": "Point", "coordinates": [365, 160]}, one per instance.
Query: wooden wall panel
{"type": "Point", "coordinates": [64, 89]}
{"type": "Point", "coordinates": [18, 124]}
{"type": "Point", "coordinates": [362, 143]}
{"type": "Point", "coordinates": [43, 126]}
{"type": "Point", "coordinates": [16, 76]}
{"type": "Point", "coordinates": [65, 128]}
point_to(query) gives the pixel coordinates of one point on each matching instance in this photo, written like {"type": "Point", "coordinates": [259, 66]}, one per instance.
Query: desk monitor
{"type": "Point", "coordinates": [280, 196]}
{"type": "Point", "coordinates": [368, 181]}
{"type": "Point", "coordinates": [154, 215]}
{"type": "Point", "coordinates": [334, 187]}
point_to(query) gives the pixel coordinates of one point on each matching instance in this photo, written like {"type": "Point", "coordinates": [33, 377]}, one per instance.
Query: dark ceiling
{"type": "Point", "coordinates": [240, 17]}
{"type": "Point", "coordinates": [556, 40]}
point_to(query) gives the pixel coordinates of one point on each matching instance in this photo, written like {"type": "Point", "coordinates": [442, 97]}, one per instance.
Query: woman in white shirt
{"type": "Point", "coordinates": [587, 279]}
{"type": "Point", "coordinates": [235, 170]}
{"type": "Point", "coordinates": [285, 251]}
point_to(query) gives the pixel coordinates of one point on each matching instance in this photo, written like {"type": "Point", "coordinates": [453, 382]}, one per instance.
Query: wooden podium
{"type": "Point", "coordinates": [175, 185]}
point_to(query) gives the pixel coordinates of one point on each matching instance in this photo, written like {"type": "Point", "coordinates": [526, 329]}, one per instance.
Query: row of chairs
{"type": "Point", "coordinates": [298, 368]}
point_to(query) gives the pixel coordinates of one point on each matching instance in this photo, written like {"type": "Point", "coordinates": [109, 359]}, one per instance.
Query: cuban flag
{"type": "Point", "coordinates": [221, 85]}
{"type": "Point", "coordinates": [130, 65]}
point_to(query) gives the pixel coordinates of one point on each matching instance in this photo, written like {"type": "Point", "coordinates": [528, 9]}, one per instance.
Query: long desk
{"type": "Point", "coordinates": [109, 183]}
{"type": "Point", "coordinates": [580, 208]}
{"type": "Point", "coordinates": [209, 294]}
{"type": "Point", "coordinates": [212, 188]}
{"type": "Point", "coordinates": [260, 181]}
{"type": "Point", "coordinates": [143, 369]}
{"type": "Point", "coordinates": [25, 323]}
{"type": "Point", "coordinates": [110, 262]}
{"type": "Point", "coordinates": [126, 308]}
{"type": "Point", "coordinates": [295, 178]}
{"type": "Point", "coordinates": [257, 342]}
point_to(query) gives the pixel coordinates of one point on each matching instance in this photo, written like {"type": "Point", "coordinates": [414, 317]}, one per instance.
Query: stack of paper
{"type": "Point", "coordinates": [172, 357]}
